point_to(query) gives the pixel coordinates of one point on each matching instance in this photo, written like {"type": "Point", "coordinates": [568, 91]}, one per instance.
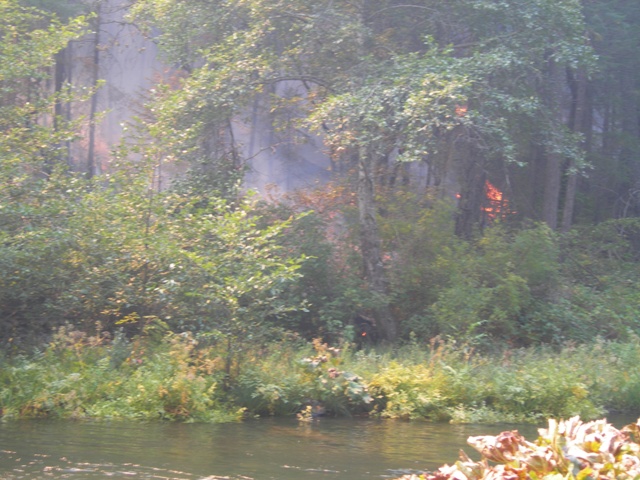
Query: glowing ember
{"type": "Point", "coordinates": [461, 110]}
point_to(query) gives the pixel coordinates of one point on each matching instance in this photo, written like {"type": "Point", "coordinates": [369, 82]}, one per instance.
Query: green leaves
{"type": "Point", "coordinates": [242, 268]}
{"type": "Point", "coordinates": [29, 41]}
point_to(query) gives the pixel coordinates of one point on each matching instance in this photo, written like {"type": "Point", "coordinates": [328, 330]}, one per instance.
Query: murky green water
{"type": "Point", "coordinates": [265, 449]}
{"type": "Point", "coordinates": [281, 449]}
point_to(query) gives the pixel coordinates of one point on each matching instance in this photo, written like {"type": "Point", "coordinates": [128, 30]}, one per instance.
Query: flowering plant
{"type": "Point", "coordinates": [567, 450]}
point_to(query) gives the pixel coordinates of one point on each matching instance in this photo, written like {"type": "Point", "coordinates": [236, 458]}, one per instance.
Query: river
{"type": "Point", "coordinates": [280, 449]}
{"type": "Point", "coordinates": [336, 449]}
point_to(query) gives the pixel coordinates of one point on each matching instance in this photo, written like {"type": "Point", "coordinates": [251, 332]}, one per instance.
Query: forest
{"type": "Point", "coordinates": [472, 255]}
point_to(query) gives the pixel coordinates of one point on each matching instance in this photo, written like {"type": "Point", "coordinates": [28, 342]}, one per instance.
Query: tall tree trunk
{"type": "Point", "coordinates": [91, 151]}
{"type": "Point", "coordinates": [551, 190]}
{"type": "Point", "coordinates": [553, 164]}
{"type": "Point", "coordinates": [60, 74]}
{"type": "Point", "coordinates": [578, 125]}
{"type": "Point", "coordinates": [471, 197]}
{"type": "Point", "coordinates": [373, 268]}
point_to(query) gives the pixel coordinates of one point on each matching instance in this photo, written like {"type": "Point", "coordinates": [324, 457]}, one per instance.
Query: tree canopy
{"type": "Point", "coordinates": [473, 144]}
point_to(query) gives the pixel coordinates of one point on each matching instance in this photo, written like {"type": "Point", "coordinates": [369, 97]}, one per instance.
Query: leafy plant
{"type": "Point", "coordinates": [569, 449]}
{"type": "Point", "coordinates": [337, 390]}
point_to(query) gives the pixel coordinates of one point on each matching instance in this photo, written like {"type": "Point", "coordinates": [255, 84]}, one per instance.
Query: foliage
{"type": "Point", "coordinates": [524, 286]}
{"type": "Point", "coordinates": [317, 283]}
{"type": "Point", "coordinates": [235, 274]}
{"type": "Point", "coordinates": [83, 376]}
{"type": "Point", "coordinates": [568, 449]}
{"type": "Point", "coordinates": [471, 88]}
{"type": "Point", "coordinates": [289, 384]}
{"type": "Point", "coordinates": [330, 284]}
{"type": "Point", "coordinates": [455, 384]}
{"type": "Point", "coordinates": [64, 9]}
{"type": "Point", "coordinates": [30, 143]}
{"type": "Point", "coordinates": [123, 251]}
{"type": "Point", "coordinates": [490, 292]}
{"type": "Point", "coordinates": [409, 393]}
{"type": "Point", "coordinates": [120, 252]}
{"type": "Point", "coordinates": [33, 205]}
{"type": "Point", "coordinates": [517, 284]}
{"type": "Point", "coordinates": [271, 383]}
{"type": "Point", "coordinates": [337, 390]}
{"type": "Point", "coordinates": [379, 94]}
{"type": "Point", "coordinates": [611, 190]}
{"type": "Point", "coordinates": [603, 254]}
{"type": "Point", "coordinates": [162, 375]}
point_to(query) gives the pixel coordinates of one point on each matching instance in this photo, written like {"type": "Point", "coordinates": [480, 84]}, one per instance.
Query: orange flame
{"type": "Point", "coordinates": [497, 205]}
{"type": "Point", "coordinates": [461, 110]}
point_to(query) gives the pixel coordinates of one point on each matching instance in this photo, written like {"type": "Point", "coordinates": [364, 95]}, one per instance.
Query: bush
{"type": "Point", "coordinates": [76, 376]}
{"type": "Point", "coordinates": [120, 254]}
{"type": "Point", "coordinates": [329, 284]}
{"type": "Point", "coordinates": [162, 375]}
{"type": "Point", "coordinates": [273, 383]}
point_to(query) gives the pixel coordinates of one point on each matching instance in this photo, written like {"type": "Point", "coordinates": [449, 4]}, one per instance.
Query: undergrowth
{"type": "Point", "coordinates": [173, 377]}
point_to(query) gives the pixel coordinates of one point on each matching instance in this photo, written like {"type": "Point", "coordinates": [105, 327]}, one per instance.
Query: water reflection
{"type": "Point", "coordinates": [266, 449]}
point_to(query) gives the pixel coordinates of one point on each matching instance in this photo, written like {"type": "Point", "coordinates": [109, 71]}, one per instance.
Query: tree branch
{"type": "Point", "coordinates": [299, 78]}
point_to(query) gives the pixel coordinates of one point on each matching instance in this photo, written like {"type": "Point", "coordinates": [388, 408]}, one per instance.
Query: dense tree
{"type": "Point", "coordinates": [472, 88]}
{"type": "Point", "coordinates": [31, 144]}
{"type": "Point", "coordinates": [113, 250]}
{"type": "Point", "coordinates": [61, 76]}
{"type": "Point", "coordinates": [502, 104]}
{"type": "Point", "coordinates": [611, 125]}
{"type": "Point", "coordinates": [30, 41]}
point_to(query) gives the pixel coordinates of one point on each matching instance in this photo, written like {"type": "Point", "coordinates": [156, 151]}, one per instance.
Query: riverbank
{"type": "Point", "coordinates": [174, 377]}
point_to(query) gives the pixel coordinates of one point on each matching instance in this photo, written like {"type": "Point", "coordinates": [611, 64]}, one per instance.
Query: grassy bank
{"type": "Point", "coordinates": [175, 377]}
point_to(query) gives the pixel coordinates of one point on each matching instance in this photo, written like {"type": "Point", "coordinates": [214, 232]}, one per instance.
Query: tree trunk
{"type": "Point", "coordinates": [551, 190]}
{"type": "Point", "coordinates": [578, 125]}
{"type": "Point", "coordinates": [553, 164]}
{"type": "Point", "coordinates": [373, 268]}
{"type": "Point", "coordinates": [472, 179]}
{"type": "Point", "coordinates": [91, 155]}
{"type": "Point", "coordinates": [60, 74]}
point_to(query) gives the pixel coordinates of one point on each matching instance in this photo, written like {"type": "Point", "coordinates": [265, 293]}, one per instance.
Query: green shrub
{"type": "Point", "coordinates": [174, 377]}
{"type": "Point", "coordinates": [409, 392]}
{"type": "Point", "coordinates": [76, 377]}
{"type": "Point", "coordinates": [273, 383]}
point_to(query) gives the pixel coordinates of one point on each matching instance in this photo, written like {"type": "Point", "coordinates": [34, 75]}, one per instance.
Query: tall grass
{"type": "Point", "coordinates": [172, 377]}
{"type": "Point", "coordinates": [78, 376]}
